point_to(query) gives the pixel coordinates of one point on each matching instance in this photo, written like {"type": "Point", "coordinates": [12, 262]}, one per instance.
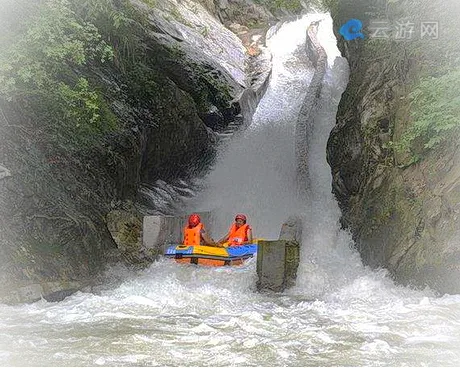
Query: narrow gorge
{"type": "Point", "coordinates": [340, 114]}
{"type": "Point", "coordinates": [110, 109]}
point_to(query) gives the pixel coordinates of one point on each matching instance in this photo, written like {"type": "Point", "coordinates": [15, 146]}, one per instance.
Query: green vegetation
{"type": "Point", "coordinates": [274, 5]}
{"type": "Point", "coordinates": [40, 67]}
{"type": "Point", "coordinates": [296, 6]}
{"type": "Point", "coordinates": [151, 3]}
{"type": "Point", "coordinates": [209, 89]}
{"type": "Point", "coordinates": [433, 117]}
{"type": "Point", "coordinates": [330, 5]}
{"type": "Point", "coordinates": [54, 50]}
{"type": "Point", "coordinates": [205, 31]}
{"type": "Point", "coordinates": [435, 111]}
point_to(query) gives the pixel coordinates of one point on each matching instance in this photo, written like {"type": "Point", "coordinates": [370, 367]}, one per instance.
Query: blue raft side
{"type": "Point", "coordinates": [242, 250]}
{"type": "Point", "coordinates": [238, 251]}
{"type": "Point", "coordinates": [172, 249]}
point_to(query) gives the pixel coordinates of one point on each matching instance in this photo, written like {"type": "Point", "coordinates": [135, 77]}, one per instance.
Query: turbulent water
{"type": "Point", "coordinates": [338, 314]}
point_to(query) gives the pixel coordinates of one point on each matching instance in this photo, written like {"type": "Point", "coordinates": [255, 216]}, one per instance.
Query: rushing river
{"type": "Point", "coordinates": [338, 314]}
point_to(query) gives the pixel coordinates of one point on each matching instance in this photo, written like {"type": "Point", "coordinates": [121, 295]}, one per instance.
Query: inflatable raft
{"type": "Point", "coordinates": [211, 256]}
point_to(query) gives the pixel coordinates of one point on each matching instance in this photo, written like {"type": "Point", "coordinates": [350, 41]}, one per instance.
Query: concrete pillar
{"type": "Point", "coordinates": [278, 260]}
{"type": "Point", "coordinates": [160, 231]}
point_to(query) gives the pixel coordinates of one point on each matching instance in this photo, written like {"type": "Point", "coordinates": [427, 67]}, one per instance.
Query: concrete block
{"type": "Point", "coordinates": [158, 232]}
{"type": "Point", "coordinates": [161, 230]}
{"type": "Point", "coordinates": [278, 260]}
{"type": "Point", "coordinates": [277, 263]}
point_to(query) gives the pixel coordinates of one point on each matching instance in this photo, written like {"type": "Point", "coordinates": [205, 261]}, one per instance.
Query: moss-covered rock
{"type": "Point", "coordinates": [68, 206]}
{"type": "Point", "coordinates": [401, 208]}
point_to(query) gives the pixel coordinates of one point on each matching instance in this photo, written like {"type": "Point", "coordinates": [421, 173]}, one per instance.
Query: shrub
{"type": "Point", "coordinates": [435, 111]}
{"type": "Point", "coordinates": [40, 64]}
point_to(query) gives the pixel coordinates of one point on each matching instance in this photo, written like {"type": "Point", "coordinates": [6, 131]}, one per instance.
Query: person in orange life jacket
{"type": "Point", "coordinates": [194, 232]}
{"type": "Point", "coordinates": [239, 233]}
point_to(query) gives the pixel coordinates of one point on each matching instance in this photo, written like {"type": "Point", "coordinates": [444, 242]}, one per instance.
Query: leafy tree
{"type": "Point", "coordinates": [435, 110]}
{"type": "Point", "coordinates": [40, 64]}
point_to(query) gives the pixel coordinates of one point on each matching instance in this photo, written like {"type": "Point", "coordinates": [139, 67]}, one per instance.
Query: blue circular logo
{"type": "Point", "coordinates": [351, 30]}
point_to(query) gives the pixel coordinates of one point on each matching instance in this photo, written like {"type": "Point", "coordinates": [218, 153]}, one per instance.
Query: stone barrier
{"type": "Point", "coordinates": [161, 231]}
{"type": "Point", "coordinates": [278, 260]}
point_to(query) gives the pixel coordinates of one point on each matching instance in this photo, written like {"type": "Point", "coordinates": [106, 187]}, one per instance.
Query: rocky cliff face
{"type": "Point", "coordinates": [399, 193]}
{"type": "Point", "coordinates": [67, 212]}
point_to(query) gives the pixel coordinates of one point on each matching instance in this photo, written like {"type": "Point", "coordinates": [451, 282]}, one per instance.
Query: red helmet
{"type": "Point", "coordinates": [194, 219]}
{"type": "Point", "coordinates": [240, 217]}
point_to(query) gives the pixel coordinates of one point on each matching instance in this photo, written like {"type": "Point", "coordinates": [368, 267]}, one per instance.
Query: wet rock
{"type": "Point", "coordinates": [4, 172]}
{"type": "Point", "coordinates": [62, 216]}
{"type": "Point", "coordinates": [214, 119]}
{"type": "Point", "coordinates": [222, 4]}
{"type": "Point", "coordinates": [403, 215]}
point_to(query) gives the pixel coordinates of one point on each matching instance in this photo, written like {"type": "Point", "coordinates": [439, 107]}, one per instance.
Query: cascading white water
{"type": "Point", "coordinates": [338, 314]}
{"type": "Point", "coordinates": [256, 172]}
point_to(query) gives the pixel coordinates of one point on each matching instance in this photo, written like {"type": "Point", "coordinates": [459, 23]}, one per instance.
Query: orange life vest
{"type": "Point", "coordinates": [238, 235]}
{"type": "Point", "coordinates": [192, 235]}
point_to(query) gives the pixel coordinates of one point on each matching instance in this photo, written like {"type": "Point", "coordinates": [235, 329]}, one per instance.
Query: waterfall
{"type": "Point", "coordinates": [258, 171]}
{"type": "Point", "coordinates": [306, 118]}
